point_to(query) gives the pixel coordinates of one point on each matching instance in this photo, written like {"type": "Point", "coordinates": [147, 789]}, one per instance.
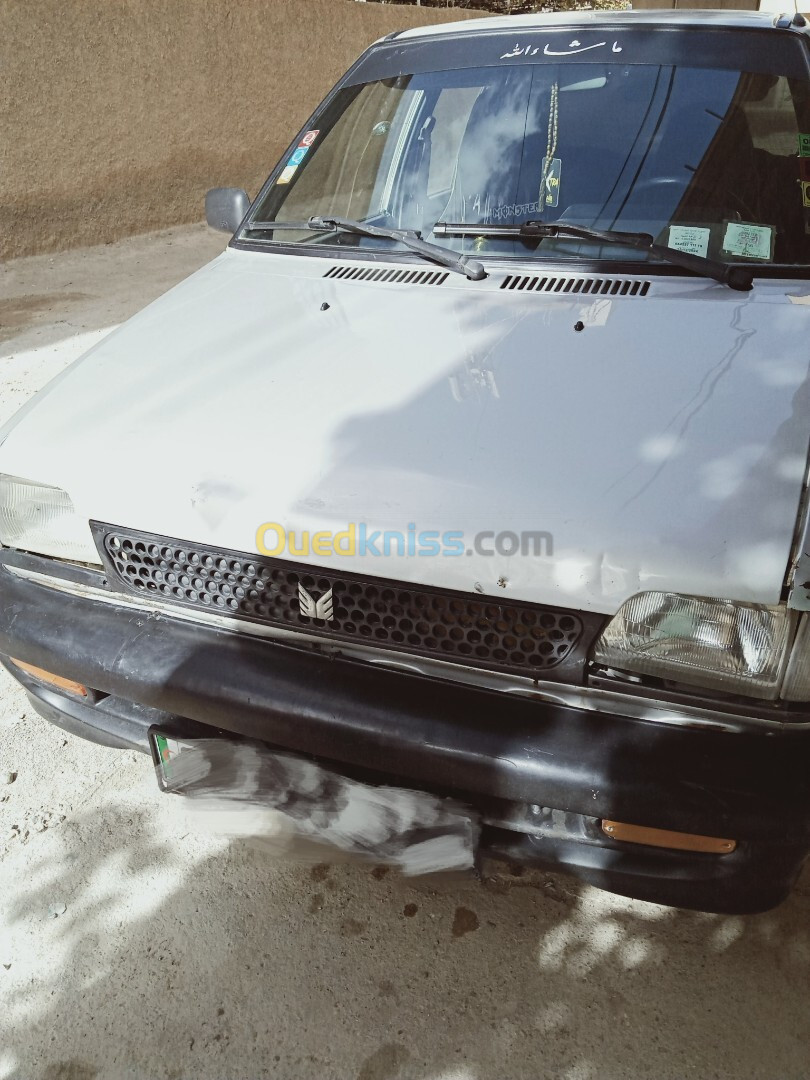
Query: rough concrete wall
{"type": "Point", "coordinates": [117, 115]}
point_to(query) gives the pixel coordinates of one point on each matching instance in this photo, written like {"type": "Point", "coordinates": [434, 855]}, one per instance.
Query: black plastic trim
{"type": "Point", "coordinates": [751, 880]}
{"type": "Point", "coordinates": [776, 712]}
{"type": "Point", "coordinates": [468, 742]}
{"type": "Point", "coordinates": [745, 785]}
{"type": "Point", "coordinates": [722, 705]}
{"type": "Point", "coordinates": [58, 568]}
{"type": "Point", "coordinates": [755, 878]}
{"type": "Point", "coordinates": [569, 667]}
{"type": "Point", "coordinates": [476, 744]}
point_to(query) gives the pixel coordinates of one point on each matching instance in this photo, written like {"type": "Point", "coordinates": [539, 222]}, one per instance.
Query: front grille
{"type": "Point", "coordinates": [506, 636]}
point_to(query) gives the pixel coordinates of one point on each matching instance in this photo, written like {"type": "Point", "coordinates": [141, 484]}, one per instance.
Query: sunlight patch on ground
{"type": "Point", "coordinates": [54, 909]}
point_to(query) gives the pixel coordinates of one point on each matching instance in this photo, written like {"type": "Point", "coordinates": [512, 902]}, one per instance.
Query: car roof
{"type": "Point", "coordinates": [688, 19]}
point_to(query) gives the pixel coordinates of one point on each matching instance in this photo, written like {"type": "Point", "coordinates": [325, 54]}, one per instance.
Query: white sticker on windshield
{"type": "Point", "coordinates": [748, 241]}
{"type": "Point", "coordinates": [689, 238]}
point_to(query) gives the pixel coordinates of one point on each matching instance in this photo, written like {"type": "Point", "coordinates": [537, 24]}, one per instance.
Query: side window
{"type": "Point", "coordinates": [452, 111]}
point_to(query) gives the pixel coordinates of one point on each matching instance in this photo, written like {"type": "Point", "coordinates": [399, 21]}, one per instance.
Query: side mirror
{"type": "Point", "coordinates": [225, 207]}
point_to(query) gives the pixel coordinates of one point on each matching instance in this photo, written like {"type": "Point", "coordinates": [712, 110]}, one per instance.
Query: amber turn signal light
{"type": "Point", "coordinates": [52, 680]}
{"type": "Point", "coordinates": [676, 841]}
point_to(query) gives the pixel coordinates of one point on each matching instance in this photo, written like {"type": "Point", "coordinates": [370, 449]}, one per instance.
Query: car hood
{"type": "Point", "coordinates": [656, 440]}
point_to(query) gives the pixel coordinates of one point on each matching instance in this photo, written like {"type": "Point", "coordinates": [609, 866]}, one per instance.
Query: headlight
{"type": "Point", "coordinates": [716, 644]}
{"type": "Point", "coordinates": [36, 517]}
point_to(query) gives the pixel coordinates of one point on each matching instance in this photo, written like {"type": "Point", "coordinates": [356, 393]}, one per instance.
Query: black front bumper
{"type": "Point", "coordinates": [489, 748]}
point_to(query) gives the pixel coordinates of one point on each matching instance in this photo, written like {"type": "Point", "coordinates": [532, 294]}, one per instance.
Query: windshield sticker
{"type": "Point", "coordinates": [515, 210]}
{"type": "Point", "coordinates": [309, 138]}
{"type": "Point", "coordinates": [806, 192]}
{"type": "Point", "coordinates": [298, 155]}
{"type": "Point", "coordinates": [689, 238]}
{"type": "Point", "coordinates": [287, 174]}
{"type": "Point", "coordinates": [804, 168]}
{"type": "Point", "coordinates": [519, 50]}
{"type": "Point", "coordinates": [748, 241]}
{"type": "Point", "coordinates": [574, 47]}
{"type": "Point", "coordinates": [551, 181]}
{"type": "Point", "coordinates": [804, 145]}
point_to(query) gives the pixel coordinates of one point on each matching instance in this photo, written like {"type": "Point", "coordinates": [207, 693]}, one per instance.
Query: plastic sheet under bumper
{"type": "Point", "coordinates": [247, 789]}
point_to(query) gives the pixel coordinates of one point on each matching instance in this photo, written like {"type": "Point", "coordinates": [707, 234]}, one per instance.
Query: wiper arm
{"type": "Point", "coordinates": [453, 260]}
{"type": "Point", "coordinates": [412, 240]}
{"type": "Point", "coordinates": [735, 277]}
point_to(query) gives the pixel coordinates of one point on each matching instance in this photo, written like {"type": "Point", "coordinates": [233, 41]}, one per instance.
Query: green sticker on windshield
{"type": "Point", "coordinates": [804, 145]}
{"type": "Point", "coordinates": [746, 240]}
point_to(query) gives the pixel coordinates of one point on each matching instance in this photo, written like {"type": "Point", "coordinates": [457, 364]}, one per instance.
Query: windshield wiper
{"type": "Point", "coordinates": [453, 260]}
{"type": "Point", "coordinates": [736, 277]}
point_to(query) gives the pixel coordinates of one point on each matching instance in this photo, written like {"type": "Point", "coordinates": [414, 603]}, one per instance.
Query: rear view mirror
{"type": "Point", "coordinates": [225, 207]}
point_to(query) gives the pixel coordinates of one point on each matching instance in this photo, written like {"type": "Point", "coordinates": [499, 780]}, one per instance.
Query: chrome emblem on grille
{"type": "Point", "coordinates": [311, 608]}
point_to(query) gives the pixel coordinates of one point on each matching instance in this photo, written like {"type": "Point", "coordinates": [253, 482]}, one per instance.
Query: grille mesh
{"type": "Point", "coordinates": [516, 637]}
{"type": "Point", "coordinates": [581, 286]}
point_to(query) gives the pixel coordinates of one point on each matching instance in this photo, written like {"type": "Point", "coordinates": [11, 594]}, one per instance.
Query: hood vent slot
{"type": "Point", "coordinates": [577, 286]}
{"type": "Point", "coordinates": [394, 277]}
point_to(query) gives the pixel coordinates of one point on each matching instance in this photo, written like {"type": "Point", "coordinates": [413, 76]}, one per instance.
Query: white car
{"type": "Point", "coordinates": [475, 467]}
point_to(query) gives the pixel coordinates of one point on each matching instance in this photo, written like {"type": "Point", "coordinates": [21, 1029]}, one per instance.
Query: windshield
{"type": "Point", "coordinates": [711, 161]}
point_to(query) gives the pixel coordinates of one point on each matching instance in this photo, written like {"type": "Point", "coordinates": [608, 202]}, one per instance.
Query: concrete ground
{"type": "Point", "coordinates": [133, 946]}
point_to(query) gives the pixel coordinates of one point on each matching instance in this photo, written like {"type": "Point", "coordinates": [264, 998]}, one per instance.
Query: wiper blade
{"type": "Point", "coordinates": [453, 260]}
{"type": "Point", "coordinates": [735, 277]}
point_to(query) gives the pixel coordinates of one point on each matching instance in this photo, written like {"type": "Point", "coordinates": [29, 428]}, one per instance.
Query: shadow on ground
{"type": "Point", "coordinates": [181, 956]}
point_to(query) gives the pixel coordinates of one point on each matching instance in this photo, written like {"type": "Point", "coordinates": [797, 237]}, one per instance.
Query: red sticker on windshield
{"type": "Point", "coordinates": [804, 168]}
{"type": "Point", "coordinates": [309, 138]}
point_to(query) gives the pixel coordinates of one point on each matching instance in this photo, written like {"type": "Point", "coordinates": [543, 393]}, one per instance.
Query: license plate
{"type": "Point", "coordinates": [414, 830]}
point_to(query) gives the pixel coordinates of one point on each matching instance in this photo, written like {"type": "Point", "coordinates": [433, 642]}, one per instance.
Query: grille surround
{"type": "Point", "coordinates": [486, 632]}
